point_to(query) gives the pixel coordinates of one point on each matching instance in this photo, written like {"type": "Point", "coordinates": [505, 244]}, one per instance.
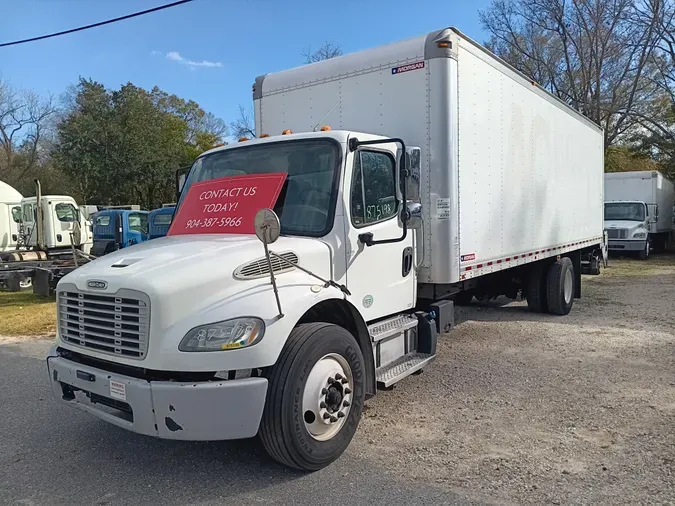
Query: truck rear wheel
{"type": "Point", "coordinates": [536, 291]}
{"type": "Point", "coordinates": [315, 397]}
{"type": "Point", "coordinates": [560, 287]}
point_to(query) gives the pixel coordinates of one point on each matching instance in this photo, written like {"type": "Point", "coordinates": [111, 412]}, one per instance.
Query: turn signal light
{"type": "Point", "coordinates": [264, 135]}
{"type": "Point", "coordinates": [325, 128]}
{"type": "Point", "coordinates": [243, 139]}
{"type": "Point", "coordinates": [286, 132]}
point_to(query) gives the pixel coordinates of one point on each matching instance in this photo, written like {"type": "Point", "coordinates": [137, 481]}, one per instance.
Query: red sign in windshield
{"type": "Point", "coordinates": [227, 205]}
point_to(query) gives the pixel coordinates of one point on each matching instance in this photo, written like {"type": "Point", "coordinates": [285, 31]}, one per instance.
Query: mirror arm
{"type": "Point", "coordinates": [326, 282]}
{"type": "Point", "coordinates": [354, 144]}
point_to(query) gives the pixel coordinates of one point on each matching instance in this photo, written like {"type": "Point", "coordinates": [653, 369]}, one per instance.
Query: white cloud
{"type": "Point", "coordinates": [176, 56]}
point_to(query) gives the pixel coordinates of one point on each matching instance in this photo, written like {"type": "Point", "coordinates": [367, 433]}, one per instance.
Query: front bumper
{"type": "Point", "coordinates": [195, 411]}
{"type": "Point", "coordinates": [626, 245]}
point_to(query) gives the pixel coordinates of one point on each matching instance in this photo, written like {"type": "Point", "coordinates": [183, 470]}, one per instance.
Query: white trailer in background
{"type": "Point", "coordinates": [444, 173]}
{"type": "Point", "coordinates": [639, 211]}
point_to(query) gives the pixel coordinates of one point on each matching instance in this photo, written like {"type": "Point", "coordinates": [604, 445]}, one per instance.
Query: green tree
{"type": "Point", "coordinates": [123, 146]}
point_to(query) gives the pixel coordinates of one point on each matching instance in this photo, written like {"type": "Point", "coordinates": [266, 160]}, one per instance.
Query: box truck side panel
{"type": "Point", "coordinates": [530, 171]}
{"type": "Point", "coordinates": [665, 199]}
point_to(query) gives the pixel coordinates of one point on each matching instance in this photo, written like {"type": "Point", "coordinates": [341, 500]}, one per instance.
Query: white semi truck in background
{"type": "Point", "coordinates": [46, 234]}
{"type": "Point", "coordinates": [639, 212]}
{"type": "Point", "coordinates": [417, 172]}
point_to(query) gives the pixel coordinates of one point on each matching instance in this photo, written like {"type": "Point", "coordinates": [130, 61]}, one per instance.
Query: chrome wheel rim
{"type": "Point", "coordinates": [327, 397]}
{"type": "Point", "coordinates": [567, 286]}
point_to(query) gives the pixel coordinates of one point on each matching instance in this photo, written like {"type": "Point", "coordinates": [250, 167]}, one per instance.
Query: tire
{"type": "Point", "coordinates": [535, 290]}
{"type": "Point", "coordinates": [560, 282]}
{"type": "Point", "coordinates": [644, 254]}
{"type": "Point", "coordinates": [284, 429]}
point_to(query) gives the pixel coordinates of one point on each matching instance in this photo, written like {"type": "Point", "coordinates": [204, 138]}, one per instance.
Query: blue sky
{"type": "Point", "coordinates": [207, 50]}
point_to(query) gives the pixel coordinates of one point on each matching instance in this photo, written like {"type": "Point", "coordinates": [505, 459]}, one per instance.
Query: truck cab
{"type": "Point", "coordinates": [62, 223]}
{"type": "Point", "coordinates": [118, 228]}
{"type": "Point", "coordinates": [160, 221]}
{"type": "Point", "coordinates": [628, 225]}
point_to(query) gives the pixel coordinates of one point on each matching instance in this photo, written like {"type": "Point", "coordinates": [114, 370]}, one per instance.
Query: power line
{"type": "Point", "coordinates": [94, 25]}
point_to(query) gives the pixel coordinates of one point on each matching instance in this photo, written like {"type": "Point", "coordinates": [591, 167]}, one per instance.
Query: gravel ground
{"type": "Point", "coordinates": [517, 408]}
{"type": "Point", "coordinates": [526, 408]}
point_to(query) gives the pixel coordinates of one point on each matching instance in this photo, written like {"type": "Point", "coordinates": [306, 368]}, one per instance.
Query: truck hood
{"type": "Point", "coordinates": [630, 225]}
{"type": "Point", "coordinates": [184, 274]}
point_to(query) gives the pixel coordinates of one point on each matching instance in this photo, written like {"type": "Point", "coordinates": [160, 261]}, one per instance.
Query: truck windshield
{"type": "Point", "coordinates": [625, 211]}
{"type": "Point", "coordinates": [305, 204]}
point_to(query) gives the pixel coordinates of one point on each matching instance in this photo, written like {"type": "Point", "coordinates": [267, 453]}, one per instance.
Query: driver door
{"type": "Point", "coordinates": [380, 277]}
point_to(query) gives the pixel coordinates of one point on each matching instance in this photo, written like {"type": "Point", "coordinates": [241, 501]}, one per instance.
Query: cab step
{"type": "Point", "coordinates": [392, 326]}
{"type": "Point", "coordinates": [402, 367]}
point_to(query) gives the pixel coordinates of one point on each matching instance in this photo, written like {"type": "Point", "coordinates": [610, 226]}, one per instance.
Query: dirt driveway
{"type": "Point", "coordinates": [530, 408]}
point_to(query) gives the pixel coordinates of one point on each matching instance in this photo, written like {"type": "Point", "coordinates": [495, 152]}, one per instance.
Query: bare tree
{"type": "Point", "coordinates": [24, 117]}
{"type": "Point", "coordinates": [591, 53]}
{"type": "Point", "coordinates": [327, 51]}
{"type": "Point", "coordinates": [243, 125]}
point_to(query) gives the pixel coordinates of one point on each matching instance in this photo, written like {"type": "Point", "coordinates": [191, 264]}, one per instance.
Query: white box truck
{"type": "Point", "coordinates": [639, 212]}
{"type": "Point", "coordinates": [445, 174]}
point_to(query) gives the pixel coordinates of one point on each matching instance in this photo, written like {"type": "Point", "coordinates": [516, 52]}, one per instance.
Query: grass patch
{"type": "Point", "coordinates": [654, 265]}
{"type": "Point", "coordinates": [26, 314]}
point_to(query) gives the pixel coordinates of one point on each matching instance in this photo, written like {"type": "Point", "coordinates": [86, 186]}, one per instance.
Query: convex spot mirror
{"type": "Point", "coordinates": [267, 226]}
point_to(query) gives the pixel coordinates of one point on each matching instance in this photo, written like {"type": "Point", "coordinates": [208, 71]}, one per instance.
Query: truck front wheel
{"type": "Point", "coordinates": [315, 397]}
{"type": "Point", "coordinates": [560, 287]}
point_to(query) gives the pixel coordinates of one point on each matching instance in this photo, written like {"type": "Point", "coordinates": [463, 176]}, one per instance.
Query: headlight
{"type": "Point", "coordinates": [225, 335]}
{"type": "Point", "coordinates": [640, 235]}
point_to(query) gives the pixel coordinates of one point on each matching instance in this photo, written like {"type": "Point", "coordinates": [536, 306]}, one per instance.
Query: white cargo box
{"type": "Point", "coordinates": [510, 174]}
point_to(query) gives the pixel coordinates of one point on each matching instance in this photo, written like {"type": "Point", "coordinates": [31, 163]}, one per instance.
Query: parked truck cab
{"type": "Point", "coordinates": [160, 221]}
{"type": "Point", "coordinates": [409, 195]}
{"type": "Point", "coordinates": [117, 229]}
{"type": "Point", "coordinates": [62, 223]}
{"type": "Point", "coordinates": [628, 224]}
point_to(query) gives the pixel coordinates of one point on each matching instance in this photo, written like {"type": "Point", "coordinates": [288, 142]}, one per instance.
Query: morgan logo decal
{"type": "Point", "coordinates": [407, 68]}
{"type": "Point", "coordinates": [97, 284]}
{"type": "Point", "coordinates": [367, 301]}
{"type": "Point", "coordinates": [466, 258]}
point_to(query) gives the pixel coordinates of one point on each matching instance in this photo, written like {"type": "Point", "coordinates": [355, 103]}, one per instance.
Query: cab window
{"type": "Point", "coordinates": [138, 223]}
{"type": "Point", "coordinates": [65, 212]}
{"type": "Point", "coordinates": [27, 213]}
{"type": "Point", "coordinates": [373, 196]}
{"type": "Point", "coordinates": [102, 221]}
{"type": "Point", "coordinates": [162, 219]}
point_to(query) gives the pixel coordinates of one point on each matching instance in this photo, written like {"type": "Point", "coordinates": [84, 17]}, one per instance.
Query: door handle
{"type": "Point", "coordinates": [407, 261]}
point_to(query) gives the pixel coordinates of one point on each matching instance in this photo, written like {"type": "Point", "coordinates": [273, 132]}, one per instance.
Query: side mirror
{"type": "Point", "coordinates": [413, 159]}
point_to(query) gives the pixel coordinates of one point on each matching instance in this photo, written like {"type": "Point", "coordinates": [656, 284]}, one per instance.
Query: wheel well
{"type": "Point", "coordinates": [342, 313]}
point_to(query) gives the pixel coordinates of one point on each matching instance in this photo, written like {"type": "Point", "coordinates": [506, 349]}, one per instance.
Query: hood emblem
{"type": "Point", "coordinates": [97, 284]}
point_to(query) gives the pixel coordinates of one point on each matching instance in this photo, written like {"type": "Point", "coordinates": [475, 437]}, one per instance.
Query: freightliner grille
{"type": "Point", "coordinates": [113, 324]}
{"type": "Point", "coordinates": [617, 233]}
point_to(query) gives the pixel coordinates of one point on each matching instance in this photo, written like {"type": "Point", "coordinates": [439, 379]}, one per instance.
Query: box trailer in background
{"type": "Point", "coordinates": [639, 211]}
{"type": "Point", "coordinates": [411, 173]}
